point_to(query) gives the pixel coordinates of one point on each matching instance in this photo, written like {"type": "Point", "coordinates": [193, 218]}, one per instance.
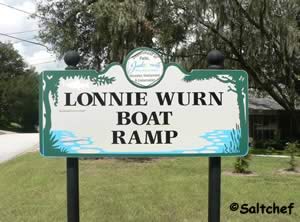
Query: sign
{"type": "Point", "coordinates": [143, 108]}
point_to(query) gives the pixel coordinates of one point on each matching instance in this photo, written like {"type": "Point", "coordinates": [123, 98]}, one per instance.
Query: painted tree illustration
{"type": "Point", "coordinates": [51, 83]}
{"type": "Point", "coordinates": [237, 83]}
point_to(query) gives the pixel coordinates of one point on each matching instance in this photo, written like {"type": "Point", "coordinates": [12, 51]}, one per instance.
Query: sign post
{"type": "Point", "coordinates": [215, 60]}
{"type": "Point", "coordinates": [72, 59]}
{"type": "Point", "coordinates": [144, 108]}
{"type": "Point", "coordinates": [72, 190]}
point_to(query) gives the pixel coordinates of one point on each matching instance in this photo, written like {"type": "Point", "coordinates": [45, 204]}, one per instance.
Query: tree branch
{"type": "Point", "coordinates": [231, 89]}
{"type": "Point", "coordinates": [278, 98]}
{"type": "Point", "coordinates": [261, 27]}
{"type": "Point", "coordinates": [224, 79]}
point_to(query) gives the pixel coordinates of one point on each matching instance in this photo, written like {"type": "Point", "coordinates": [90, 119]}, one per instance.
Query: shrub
{"type": "Point", "coordinates": [241, 164]}
{"type": "Point", "coordinates": [292, 149]}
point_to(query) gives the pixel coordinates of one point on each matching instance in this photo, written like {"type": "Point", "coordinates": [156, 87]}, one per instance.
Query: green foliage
{"type": "Point", "coordinates": [241, 164]}
{"type": "Point", "coordinates": [261, 37]}
{"type": "Point", "coordinates": [101, 80]}
{"type": "Point", "coordinates": [18, 91]}
{"type": "Point", "coordinates": [105, 31]}
{"type": "Point", "coordinates": [271, 144]}
{"type": "Point", "coordinates": [292, 148]}
{"type": "Point", "coordinates": [23, 100]}
{"type": "Point", "coordinates": [12, 64]}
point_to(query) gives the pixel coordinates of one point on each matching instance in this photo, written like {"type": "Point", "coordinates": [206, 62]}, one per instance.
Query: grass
{"type": "Point", "coordinates": [32, 188]}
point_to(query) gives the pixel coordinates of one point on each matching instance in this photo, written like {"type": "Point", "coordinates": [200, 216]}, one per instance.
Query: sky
{"type": "Point", "coordinates": [12, 21]}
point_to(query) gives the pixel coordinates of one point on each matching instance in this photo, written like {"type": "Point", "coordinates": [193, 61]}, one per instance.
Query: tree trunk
{"type": "Point", "coordinates": [293, 134]}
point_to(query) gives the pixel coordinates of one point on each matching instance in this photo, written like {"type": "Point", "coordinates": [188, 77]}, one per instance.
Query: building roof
{"type": "Point", "coordinates": [265, 103]}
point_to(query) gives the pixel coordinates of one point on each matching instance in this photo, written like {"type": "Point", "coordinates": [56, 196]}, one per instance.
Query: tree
{"type": "Point", "coordinates": [102, 31]}
{"type": "Point", "coordinates": [12, 64]}
{"type": "Point", "coordinates": [18, 90]}
{"type": "Point", "coordinates": [105, 31]}
{"type": "Point", "coordinates": [23, 101]}
{"type": "Point", "coordinates": [260, 36]}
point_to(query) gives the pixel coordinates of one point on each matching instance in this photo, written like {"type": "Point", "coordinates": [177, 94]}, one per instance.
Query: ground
{"type": "Point", "coordinates": [14, 144]}
{"type": "Point", "coordinates": [33, 189]}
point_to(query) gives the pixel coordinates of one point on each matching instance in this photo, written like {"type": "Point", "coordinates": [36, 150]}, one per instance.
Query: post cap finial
{"type": "Point", "coordinates": [72, 58]}
{"type": "Point", "coordinates": [215, 59]}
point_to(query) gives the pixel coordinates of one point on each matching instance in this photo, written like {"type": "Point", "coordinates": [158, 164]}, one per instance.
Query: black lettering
{"type": "Point", "coordinates": [166, 117]}
{"type": "Point", "coordinates": [118, 136]}
{"type": "Point", "coordinates": [269, 210]}
{"type": "Point", "coordinates": [101, 100]}
{"type": "Point", "coordinates": [135, 119]}
{"type": "Point", "coordinates": [123, 116]}
{"type": "Point", "coordinates": [153, 118]}
{"type": "Point", "coordinates": [244, 209]}
{"type": "Point", "coordinates": [153, 139]}
{"type": "Point", "coordinates": [170, 135]}
{"type": "Point", "coordinates": [166, 97]}
{"type": "Point", "coordinates": [89, 99]}
{"type": "Point", "coordinates": [118, 100]}
{"type": "Point", "coordinates": [129, 99]}
{"type": "Point", "coordinates": [68, 100]}
{"type": "Point", "coordinates": [135, 137]}
{"type": "Point", "coordinates": [217, 99]}
{"type": "Point", "coordinates": [141, 99]}
{"type": "Point", "coordinates": [199, 96]}
{"type": "Point", "coordinates": [180, 98]}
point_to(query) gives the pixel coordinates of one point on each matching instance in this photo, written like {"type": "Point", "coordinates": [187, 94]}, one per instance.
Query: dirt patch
{"type": "Point", "coordinates": [248, 174]}
{"type": "Point", "coordinates": [125, 160]}
{"type": "Point", "coordinates": [288, 172]}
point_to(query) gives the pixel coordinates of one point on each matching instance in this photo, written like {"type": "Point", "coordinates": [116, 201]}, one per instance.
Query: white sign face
{"type": "Point", "coordinates": [166, 111]}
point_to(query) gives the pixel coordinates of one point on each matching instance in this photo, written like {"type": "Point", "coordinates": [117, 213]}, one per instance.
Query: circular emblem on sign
{"type": "Point", "coordinates": [144, 68]}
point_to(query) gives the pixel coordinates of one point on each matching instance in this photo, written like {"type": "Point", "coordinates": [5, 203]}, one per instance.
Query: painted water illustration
{"type": "Point", "coordinates": [68, 142]}
{"type": "Point", "coordinates": [220, 141]}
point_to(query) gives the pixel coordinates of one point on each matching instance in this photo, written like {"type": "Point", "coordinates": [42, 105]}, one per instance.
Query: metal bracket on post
{"type": "Point", "coordinates": [72, 58]}
{"type": "Point", "coordinates": [215, 60]}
